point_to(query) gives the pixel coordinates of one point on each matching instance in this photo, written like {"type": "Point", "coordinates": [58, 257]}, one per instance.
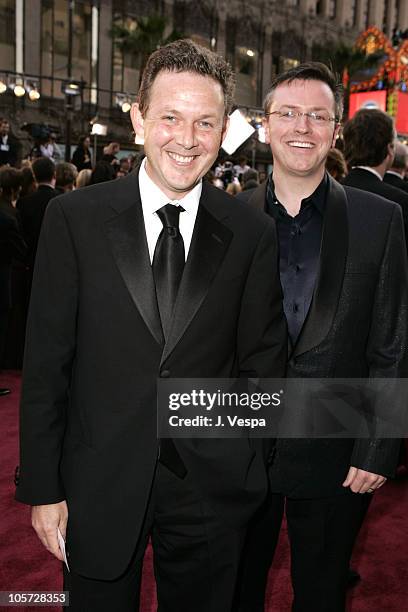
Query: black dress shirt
{"type": "Point", "coordinates": [299, 250]}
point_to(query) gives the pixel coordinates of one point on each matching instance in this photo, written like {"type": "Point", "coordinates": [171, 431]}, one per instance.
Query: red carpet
{"type": "Point", "coordinates": [380, 556]}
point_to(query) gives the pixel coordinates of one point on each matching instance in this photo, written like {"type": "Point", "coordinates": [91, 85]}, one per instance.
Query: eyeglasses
{"type": "Point", "coordinates": [316, 118]}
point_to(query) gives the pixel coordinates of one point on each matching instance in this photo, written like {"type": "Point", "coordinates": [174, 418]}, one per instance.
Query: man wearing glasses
{"type": "Point", "coordinates": [344, 278]}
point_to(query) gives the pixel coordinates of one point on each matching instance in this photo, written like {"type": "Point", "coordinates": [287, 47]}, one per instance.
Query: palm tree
{"type": "Point", "coordinates": [347, 62]}
{"type": "Point", "coordinates": [147, 36]}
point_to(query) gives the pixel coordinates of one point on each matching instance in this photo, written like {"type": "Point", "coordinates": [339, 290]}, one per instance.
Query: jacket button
{"type": "Point", "coordinates": [165, 374]}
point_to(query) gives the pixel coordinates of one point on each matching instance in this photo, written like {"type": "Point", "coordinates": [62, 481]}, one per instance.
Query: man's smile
{"type": "Point", "coordinates": [300, 144]}
{"type": "Point", "coordinates": [181, 159]}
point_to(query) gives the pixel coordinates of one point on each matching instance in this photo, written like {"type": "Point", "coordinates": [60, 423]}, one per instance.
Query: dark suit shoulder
{"type": "Point", "coordinates": [246, 195]}
{"type": "Point", "coordinates": [360, 200]}
{"type": "Point", "coordinates": [367, 181]}
{"type": "Point", "coordinates": [396, 181]}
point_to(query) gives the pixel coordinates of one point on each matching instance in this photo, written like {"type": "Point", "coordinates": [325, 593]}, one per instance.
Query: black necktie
{"type": "Point", "coordinates": [168, 263]}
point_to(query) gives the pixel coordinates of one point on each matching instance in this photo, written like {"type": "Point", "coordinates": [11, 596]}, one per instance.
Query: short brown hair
{"type": "Point", "coordinates": [336, 164]}
{"type": "Point", "coordinates": [309, 71]}
{"type": "Point", "coordinates": [65, 174]}
{"type": "Point", "coordinates": [10, 180]}
{"type": "Point", "coordinates": [400, 156]}
{"type": "Point", "coordinates": [367, 136]}
{"type": "Point", "coordinates": [187, 56]}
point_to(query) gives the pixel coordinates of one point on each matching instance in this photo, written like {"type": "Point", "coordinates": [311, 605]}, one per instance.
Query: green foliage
{"type": "Point", "coordinates": [342, 56]}
{"type": "Point", "coordinates": [144, 38]}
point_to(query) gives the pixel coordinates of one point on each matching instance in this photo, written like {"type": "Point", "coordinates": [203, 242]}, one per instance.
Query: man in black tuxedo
{"type": "Point", "coordinates": [369, 145]}
{"type": "Point", "coordinates": [344, 277]}
{"type": "Point", "coordinates": [157, 274]}
{"type": "Point", "coordinates": [395, 175]}
{"type": "Point", "coordinates": [12, 247]}
{"type": "Point", "coordinates": [9, 145]}
{"type": "Point", "coordinates": [32, 207]}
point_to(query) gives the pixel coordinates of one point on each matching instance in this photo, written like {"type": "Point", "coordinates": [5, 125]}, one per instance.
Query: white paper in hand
{"type": "Point", "coordinates": [61, 544]}
{"type": "Point", "coordinates": [239, 130]}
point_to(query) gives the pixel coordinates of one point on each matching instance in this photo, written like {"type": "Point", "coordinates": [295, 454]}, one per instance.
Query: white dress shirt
{"type": "Point", "coordinates": [153, 198]}
{"type": "Point", "coordinates": [377, 174]}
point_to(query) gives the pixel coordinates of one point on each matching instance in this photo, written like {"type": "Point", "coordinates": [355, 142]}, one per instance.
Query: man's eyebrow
{"type": "Point", "coordinates": [316, 108]}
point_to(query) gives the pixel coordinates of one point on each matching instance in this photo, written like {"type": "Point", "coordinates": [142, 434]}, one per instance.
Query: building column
{"type": "Point", "coordinates": [267, 60]}
{"type": "Point", "coordinates": [168, 15]}
{"type": "Point", "coordinates": [32, 37]}
{"type": "Point", "coordinates": [391, 18]}
{"type": "Point", "coordinates": [360, 15]}
{"type": "Point", "coordinates": [324, 8]}
{"type": "Point", "coordinates": [221, 46]}
{"type": "Point", "coordinates": [105, 54]}
{"type": "Point", "coordinates": [403, 15]}
{"type": "Point", "coordinates": [376, 13]}
{"type": "Point", "coordinates": [343, 13]}
{"type": "Point", "coordinates": [308, 7]}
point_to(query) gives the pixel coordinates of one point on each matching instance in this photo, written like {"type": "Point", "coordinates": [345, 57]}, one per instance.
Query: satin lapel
{"type": "Point", "coordinates": [209, 244]}
{"type": "Point", "coordinates": [333, 255]}
{"type": "Point", "coordinates": [127, 238]}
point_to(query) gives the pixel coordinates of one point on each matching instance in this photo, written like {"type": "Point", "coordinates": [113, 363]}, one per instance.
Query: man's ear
{"type": "Point", "coordinates": [336, 134]}
{"type": "Point", "coordinates": [137, 120]}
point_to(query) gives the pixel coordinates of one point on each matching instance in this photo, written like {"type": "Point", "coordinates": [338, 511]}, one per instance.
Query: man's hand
{"type": "Point", "coordinates": [46, 520]}
{"type": "Point", "coordinates": [361, 481]}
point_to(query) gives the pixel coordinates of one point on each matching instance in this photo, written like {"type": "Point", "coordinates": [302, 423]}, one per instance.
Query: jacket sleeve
{"type": "Point", "coordinates": [262, 335]}
{"type": "Point", "coordinates": [48, 360]}
{"type": "Point", "coordinates": [387, 352]}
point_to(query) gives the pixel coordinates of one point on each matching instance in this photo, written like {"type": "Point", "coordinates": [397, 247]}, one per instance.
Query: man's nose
{"type": "Point", "coordinates": [186, 135]}
{"type": "Point", "coordinates": [302, 123]}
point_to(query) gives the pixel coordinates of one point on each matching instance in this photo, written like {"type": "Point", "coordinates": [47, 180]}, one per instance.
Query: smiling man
{"type": "Point", "coordinates": [344, 279]}
{"type": "Point", "coordinates": [157, 274]}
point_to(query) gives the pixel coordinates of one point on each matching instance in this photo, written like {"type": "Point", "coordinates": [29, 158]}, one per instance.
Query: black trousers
{"type": "Point", "coordinates": [321, 534]}
{"type": "Point", "coordinates": [196, 557]}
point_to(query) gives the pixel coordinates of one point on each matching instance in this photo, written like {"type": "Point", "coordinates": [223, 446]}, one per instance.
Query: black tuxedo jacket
{"type": "Point", "coordinates": [32, 210]}
{"type": "Point", "coordinates": [366, 180]}
{"type": "Point", "coordinates": [396, 181]}
{"type": "Point", "coordinates": [12, 246]}
{"type": "Point", "coordinates": [356, 327]}
{"type": "Point", "coordinates": [95, 349]}
{"type": "Point", "coordinates": [12, 154]}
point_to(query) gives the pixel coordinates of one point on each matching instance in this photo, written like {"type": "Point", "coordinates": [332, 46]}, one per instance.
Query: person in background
{"type": "Point", "coordinates": [28, 184]}
{"type": "Point", "coordinates": [65, 177]}
{"type": "Point", "coordinates": [124, 167]}
{"type": "Point", "coordinates": [9, 145]}
{"type": "Point", "coordinates": [336, 164]}
{"type": "Point", "coordinates": [234, 188]}
{"type": "Point", "coordinates": [241, 167]}
{"type": "Point", "coordinates": [12, 247]}
{"type": "Point", "coordinates": [110, 153]}
{"type": "Point", "coordinates": [84, 178]}
{"type": "Point", "coordinates": [251, 176]}
{"type": "Point", "coordinates": [81, 157]}
{"type": "Point", "coordinates": [369, 146]}
{"type": "Point", "coordinates": [56, 154]}
{"type": "Point", "coordinates": [214, 180]}
{"type": "Point", "coordinates": [103, 171]}
{"type": "Point", "coordinates": [397, 174]}
{"type": "Point", "coordinates": [32, 208]}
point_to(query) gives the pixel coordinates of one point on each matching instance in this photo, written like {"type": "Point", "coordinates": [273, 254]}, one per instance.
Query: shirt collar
{"type": "Point", "coordinates": [317, 198]}
{"type": "Point", "coordinates": [394, 173]}
{"type": "Point", "coordinates": [153, 198]}
{"type": "Point", "coordinates": [369, 169]}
